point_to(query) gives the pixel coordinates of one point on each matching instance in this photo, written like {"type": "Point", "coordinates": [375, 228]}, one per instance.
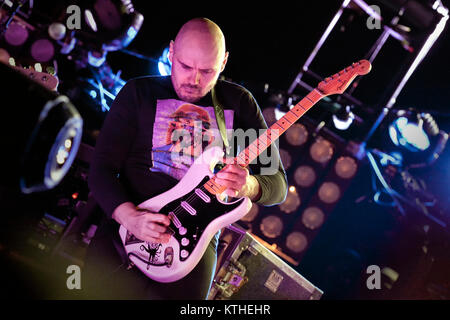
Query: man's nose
{"type": "Point", "coordinates": [195, 77]}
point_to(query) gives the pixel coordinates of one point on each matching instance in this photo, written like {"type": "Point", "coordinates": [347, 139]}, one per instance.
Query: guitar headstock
{"type": "Point", "coordinates": [338, 83]}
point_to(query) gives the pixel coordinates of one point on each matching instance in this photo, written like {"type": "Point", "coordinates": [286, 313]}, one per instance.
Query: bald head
{"type": "Point", "coordinates": [204, 32]}
{"type": "Point", "coordinates": [198, 55]}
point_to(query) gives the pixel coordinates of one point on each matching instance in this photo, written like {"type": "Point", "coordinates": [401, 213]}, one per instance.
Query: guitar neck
{"type": "Point", "coordinates": [245, 157]}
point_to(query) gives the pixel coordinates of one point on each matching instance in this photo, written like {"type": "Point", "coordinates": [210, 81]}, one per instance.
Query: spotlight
{"type": "Point", "coordinates": [296, 242]}
{"type": "Point", "coordinates": [329, 192]}
{"type": "Point", "coordinates": [304, 176]}
{"type": "Point", "coordinates": [343, 118]}
{"type": "Point", "coordinates": [271, 226]}
{"type": "Point", "coordinates": [408, 132]}
{"type": "Point", "coordinates": [164, 64]}
{"type": "Point", "coordinates": [44, 141]}
{"type": "Point", "coordinates": [321, 151]}
{"type": "Point", "coordinates": [417, 137]}
{"type": "Point", "coordinates": [313, 218]}
{"type": "Point", "coordinates": [346, 167]}
{"type": "Point", "coordinates": [297, 134]}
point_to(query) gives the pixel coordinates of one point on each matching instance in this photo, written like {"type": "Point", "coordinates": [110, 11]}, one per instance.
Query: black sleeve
{"type": "Point", "coordinates": [112, 147]}
{"type": "Point", "coordinates": [273, 182]}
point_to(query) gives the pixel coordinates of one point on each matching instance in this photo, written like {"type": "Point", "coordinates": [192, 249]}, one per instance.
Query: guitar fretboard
{"type": "Point", "coordinates": [249, 154]}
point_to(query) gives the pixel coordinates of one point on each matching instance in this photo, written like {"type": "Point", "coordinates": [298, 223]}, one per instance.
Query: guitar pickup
{"type": "Point", "coordinates": [202, 195]}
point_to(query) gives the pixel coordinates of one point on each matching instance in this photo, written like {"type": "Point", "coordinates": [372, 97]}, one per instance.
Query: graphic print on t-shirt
{"type": "Point", "coordinates": [181, 132]}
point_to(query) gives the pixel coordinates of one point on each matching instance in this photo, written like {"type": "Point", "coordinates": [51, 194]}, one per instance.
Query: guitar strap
{"type": "Point", "coordinates": [220, 118]}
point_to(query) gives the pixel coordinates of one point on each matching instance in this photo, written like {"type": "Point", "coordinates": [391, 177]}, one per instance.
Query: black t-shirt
{"type": "Point", "coordinates": [133, 159]}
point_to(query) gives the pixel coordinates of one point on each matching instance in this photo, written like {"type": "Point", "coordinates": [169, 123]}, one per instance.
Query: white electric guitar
{"type": "Point", "coordinates": [194, 206]}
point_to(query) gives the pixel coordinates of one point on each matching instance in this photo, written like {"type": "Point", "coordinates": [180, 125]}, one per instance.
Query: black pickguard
{"type": "Point", "coordinates": [205, 213]}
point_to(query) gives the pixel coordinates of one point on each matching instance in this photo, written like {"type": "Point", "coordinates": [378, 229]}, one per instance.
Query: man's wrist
{"type": "Point", "coordinates": [254, 190]}
{"type": "Point", "coordinates": [123, 211]}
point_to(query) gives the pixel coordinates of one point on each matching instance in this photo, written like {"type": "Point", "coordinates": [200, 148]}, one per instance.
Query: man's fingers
{"type": "Point", "coordinates": [160, 218]}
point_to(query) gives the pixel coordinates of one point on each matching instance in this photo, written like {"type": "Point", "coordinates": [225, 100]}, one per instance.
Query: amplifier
{"type": "Point", "coordinates": [247, 270]}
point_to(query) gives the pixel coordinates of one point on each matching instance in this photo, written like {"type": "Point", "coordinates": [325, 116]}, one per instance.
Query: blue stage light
{"type": "Point", "coordinates": [409, 134]}
{"type": "Point", "coordinates": [164, 64]}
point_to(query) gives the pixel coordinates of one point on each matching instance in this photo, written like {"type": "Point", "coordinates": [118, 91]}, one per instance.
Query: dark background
{"type": "Point", "coordinates": [269, 42]}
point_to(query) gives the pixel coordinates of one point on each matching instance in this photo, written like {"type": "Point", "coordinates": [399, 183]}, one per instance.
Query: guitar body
{"type": "Point", "coordinates": [196, 216]}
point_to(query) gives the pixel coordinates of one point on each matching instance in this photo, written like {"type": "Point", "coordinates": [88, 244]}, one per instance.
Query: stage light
{"type": "Point", "coordinates": [409, 133]}
{"type": "Point", "coordinates": [297, 134]}
{"type": "Point", "coordinates": [346, 167]}
{"type": "Point", "coordinates": [321, 150]}
{"type": "Point", "coordinates": [164, 64]}
{"type": "Point", "coordinates": [271, 226]}
{"type": "Point", "coordinates": [329, 192]}
{"type": "Point", "coordinates": [304, 176]}
{"type": "Point", "coordinates": [46, 136]}
{"type": "Point", "coordinates": [296, 242]}
{"type": "Point", "coordinates": [292, 201]}
{"type": "Point", "coordinates": [313, 217]}
{"type": "Point", "coordinates": [416, 136]}
{"type": "Point", "coordinates": [343, 118]}
{"type": "Point", "coordinates": [90, 21]}
{"type": "Point", "coordinates": [16, 34]}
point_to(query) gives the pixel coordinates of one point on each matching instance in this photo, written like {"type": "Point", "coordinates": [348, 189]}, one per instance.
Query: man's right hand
{"type": "Point", "coordinates": [143, 224]}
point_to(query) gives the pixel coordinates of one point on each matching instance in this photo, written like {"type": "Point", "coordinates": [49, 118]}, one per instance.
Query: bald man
{"type": "Point", "coordinates": [134, 160]}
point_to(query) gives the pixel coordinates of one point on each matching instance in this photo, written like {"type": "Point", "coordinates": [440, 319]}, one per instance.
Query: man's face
{"type": "Point", "coordinates": [196, 65]}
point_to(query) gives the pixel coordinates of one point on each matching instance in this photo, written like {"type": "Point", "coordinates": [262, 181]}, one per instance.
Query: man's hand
{"type": "Point", "coordinates": [144, 225]}
{"type": "Point", "coordinates": [239, 182]}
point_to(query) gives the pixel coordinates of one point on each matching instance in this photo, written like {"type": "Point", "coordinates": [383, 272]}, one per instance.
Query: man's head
{"type": "Point", "coordinates": [198, 56]}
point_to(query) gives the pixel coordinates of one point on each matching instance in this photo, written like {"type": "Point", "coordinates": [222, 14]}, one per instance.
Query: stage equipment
{"type": "Point", "coordinates": [415, 25]}
{"type": "Point", "coordinates": [417, 137]}
{"type": "Point", "coordinates": [164, 64]}
{"type": "Point", "coordinates": [40, 134]}
{"type": "Point", "coordinates": [77, 54]}
{"type": "Point", "coordinates": [247, 270]}
{"type": "Point", "coordinates": [320, 169]}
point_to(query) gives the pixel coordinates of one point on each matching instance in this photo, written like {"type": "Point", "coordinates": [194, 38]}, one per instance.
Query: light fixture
{"type": "Point", "coordinates": [343, 118]}
{"type": "Point", "coordinates": [345, 167]}
{"type": "Point", "coordinates": [271, 226]}
{"type": "Point", "coordinates": [297, 134]}
{"type": "Point", "coordinates": [164, 63]}
{"type": "Point", "coordinates": [321, 150]}
{"type": "Point", "coordinates": [313, 217]}
{"type": "Point", "coordinates": [304, 176]}
{"type": "Point", "coordinates": [417, 137]}
{"type": "Point", "coordinates": [296, 241]}
{"type": "Point", "coordinates": [329, 192]}
{"type": "Point", "coordinates": [46, 136]}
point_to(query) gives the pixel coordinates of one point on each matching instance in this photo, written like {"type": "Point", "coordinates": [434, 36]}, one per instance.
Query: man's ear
{"type": "Point", "coordinates": [171, 44]}
{"type": "Point", "coordinates": [225, 60]}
